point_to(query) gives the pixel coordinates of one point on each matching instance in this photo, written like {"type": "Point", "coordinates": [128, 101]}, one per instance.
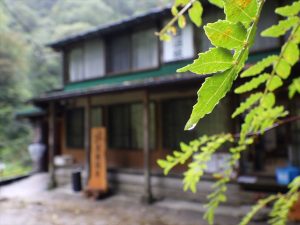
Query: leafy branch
{"type": "Point", "coordinates": [232, 39]}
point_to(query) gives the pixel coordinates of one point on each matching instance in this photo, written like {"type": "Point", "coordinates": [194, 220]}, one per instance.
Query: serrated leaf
{"type": "Point", "coordinates": [212, 61]}
{"type": "Point", "coordinates": [181, 22]}
{"type": "Point", "coordinates": [291, 53]}
{"type": "Point", "coordinates": [268, 100]}
{"type": "Point", "coordinates": [250, 101]}
{"type": "Point", "coordinates": [226, 34]}
{"type": "Point", "coordinates": [240, 10]}
{"type": "Point", "coordinates": [218, 3]}
{"type": "Point", "coordinates": [252, 84]}
{"type": "Point", "coordinates": [281, 28]}
{"type": "Point", "coordinates": [283, 69]}
{"type": "Point", "coordinates": [214, 89]}
{"type": "Point", "coordinates": [274, 83]}
{"type": "Point", "coordinates": [289, 10]}
{"type": "Point", "coordinates": [211, 92]}
{"type": "Point", "coordinates": [195, 13]}
{"type": "Point", "coordinates": [294, 87]}
{"type": "Point", "coordinates": [259, 66]}
{"type": "Point", "coordinates": [296, 37]}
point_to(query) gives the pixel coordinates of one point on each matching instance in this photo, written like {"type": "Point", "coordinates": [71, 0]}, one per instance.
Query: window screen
{"type": "Point", "coordinates": [76, 65]}
{"type": "Point", "coordinates": [96, 116]}
{"type": "Point", "coordinates": [175, 114]}
{"type": "Point", "coordinates": [94, 59]}
{"type": "Point", "coordinates": [75, 128]}
{"type": "Point", "coordinates": [119, 55]}
{"type": "Point", "coordinates": [144, 49]}
{"type": "Point", "coordinates": [126, 126]}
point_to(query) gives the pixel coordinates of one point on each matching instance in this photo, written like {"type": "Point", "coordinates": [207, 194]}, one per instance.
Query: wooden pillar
{"type": "Point", "coordinates": [51, 145]}
{"type": "Point", "coordinates": [87, 137]}
{"type": "Point", "coordinates": [147, 157]}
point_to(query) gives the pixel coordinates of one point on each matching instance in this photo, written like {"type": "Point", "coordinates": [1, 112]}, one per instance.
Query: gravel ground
{"type": "Point", "coordinates": [28, 203]}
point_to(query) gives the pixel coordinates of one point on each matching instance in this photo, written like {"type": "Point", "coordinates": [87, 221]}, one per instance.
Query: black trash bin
{"type": "Point", "coordinates": [76, 181]}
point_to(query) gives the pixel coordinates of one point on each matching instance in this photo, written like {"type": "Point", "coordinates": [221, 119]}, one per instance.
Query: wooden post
{"type": "Point", "coordinates": [87, 137]}
{"type": "Point", "coordinates": [147, 185]}
{"type": "Point", "coordinates": [51, 142]}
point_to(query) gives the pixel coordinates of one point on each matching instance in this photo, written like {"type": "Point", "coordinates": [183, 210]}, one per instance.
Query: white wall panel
{"type": "Point", "coordinates": [181, 46]}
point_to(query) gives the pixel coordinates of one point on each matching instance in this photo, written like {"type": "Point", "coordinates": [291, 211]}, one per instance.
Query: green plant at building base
{"type": "Point", "coordinates": [232, 39]}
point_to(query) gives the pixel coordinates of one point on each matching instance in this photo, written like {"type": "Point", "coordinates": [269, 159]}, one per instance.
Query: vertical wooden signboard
{"type": "Point", "coordinates": [98, 173]}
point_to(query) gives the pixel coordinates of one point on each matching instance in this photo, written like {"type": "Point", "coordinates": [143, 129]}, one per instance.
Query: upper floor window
{"type": "Point", "coordinates": [135, 51]}
{"type": "Point", "coordinates": [118, 54]}
{"type": "Point", "coordinates": [144, 49]}
{"type": "Point", "coordinates": [76, 71]}
{"type": "Point", "coordinates": [87, 61]}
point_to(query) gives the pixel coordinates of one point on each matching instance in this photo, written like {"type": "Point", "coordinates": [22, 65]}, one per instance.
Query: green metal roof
{"type": "Point", "coordinates": [29, 111]}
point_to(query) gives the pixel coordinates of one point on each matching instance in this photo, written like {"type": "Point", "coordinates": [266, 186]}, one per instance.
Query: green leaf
{"type": "Point", "coordinates": [226, 34]}
{"type": "Point", "coordinates": [294, 87]}
{"type": "Point", "coordinates": [259, 66]}
{"type": "Point", "coordinates": [212, 61]}
{"type": "Point", "coordinates": [289, 10]}
{"type": "Point", "coordinates": [240, 10]}
{"type": "Point", "coordinates": [250, 101]}
{"type": "Point", "coordinates": [296, 37]}
{"type": "Point", "coordinates": [291, 53]}
{"type": "Point", "coordinates": [195, 13]}
{"type": "Point", "coordinates": [283, 69]}
{"type": "Point", "coordinates": [174, 10]}
{"type": "Point", "coordinates": [181, 22]}
{"type": "Point", "coordinates": [268, 100]}
{"type": "Point", "coordinates": [252, 84]}
{"type": "Point", "coordinates": [218, 3]}
{"type": "Point", "coordinates": [281, 28]}
{"type": "Point", "coordinates": [274, 83]}
{"type": "Point", "coordinates": [211, 92]}
{"type": "Point", "coordinates": [165, 37]}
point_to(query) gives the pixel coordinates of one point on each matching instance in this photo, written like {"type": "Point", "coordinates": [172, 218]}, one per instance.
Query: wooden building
{"type": "Point", "coordinates": [121, 77]}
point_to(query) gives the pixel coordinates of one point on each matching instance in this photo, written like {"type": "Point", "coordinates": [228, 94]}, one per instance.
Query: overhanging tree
{"type": "Point", "coordinates": [232, 39]}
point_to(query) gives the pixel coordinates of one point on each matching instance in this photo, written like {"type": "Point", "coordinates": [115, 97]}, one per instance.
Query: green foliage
{"type": "Point", "coordinates": [289, 10]}
{"type": "Point", "coordinates": [181, 157]}
{"type": "Point", "coordinates": [274, 83]}
{"type": "Point", "coordinates": [226, 34]}
{"type": "Point", "coordinates": [195, 13]}
{"type": "Point", "coordinates": [212, 61]}
{"type": "Point", "coordinates": [247, 104]}
{"type": "Point", "coordinates": [260, 111]}
{"type": "Point", "coordinates": [218, 3]}
{"type": "Point", "coordinates": [197, 167]}
{"type": "Point", "coordinates": [294, 87]}
{"type": "Point", "coordinates": [281, 28]}
{"type": "Point", "coordinates": [201, 149]}
{"type": "Point", "coordinates": [241, 11]}
{"type": "Point", "coordinates": [281, 208]}
{"type": "Point", "coordinates": [252, 84]}
{"type": "Point", "coordinates": [256, 208]}
{"type": "Point", "coordinates": [259, 66]}
{"type": "Point", "coordinates": [291, 53]}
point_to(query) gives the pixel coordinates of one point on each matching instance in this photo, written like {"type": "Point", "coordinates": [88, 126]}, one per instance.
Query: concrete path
{"type": "Point", "coordinates": [27, 202]}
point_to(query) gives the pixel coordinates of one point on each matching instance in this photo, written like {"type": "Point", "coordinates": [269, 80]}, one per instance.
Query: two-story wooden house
{"type": "Point", "coordinates": [121, 77]}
